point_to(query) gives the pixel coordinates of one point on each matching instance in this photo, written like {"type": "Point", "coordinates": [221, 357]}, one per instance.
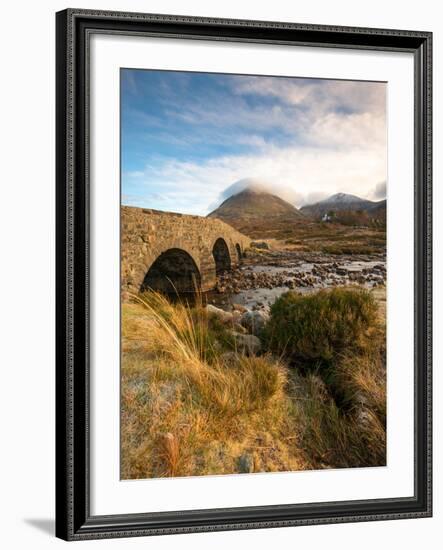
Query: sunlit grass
{"type": "Point", "coordinates": [193, 405]}
{"type": "Point", "coordinates": [180, 395]}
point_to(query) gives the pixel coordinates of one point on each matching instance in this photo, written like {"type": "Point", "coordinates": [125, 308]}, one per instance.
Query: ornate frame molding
{"type": "Point", "coordinates": [74, 28]}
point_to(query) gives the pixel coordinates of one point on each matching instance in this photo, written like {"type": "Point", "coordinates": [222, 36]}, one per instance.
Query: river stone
{"type": "Point", "coordinates": [254, 321]}
{"type": "Point", "coordinates": [224, 316]}
{"type": "Point", "coordinates": [247, 343]}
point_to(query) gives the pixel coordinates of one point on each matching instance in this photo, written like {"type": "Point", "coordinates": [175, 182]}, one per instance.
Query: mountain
{"type": "Point", "coordinates": [340, 202]}
{"type": "Point", "coordinates": [252, 204]}
{"type": "Point", "coordinates": [257, 213]}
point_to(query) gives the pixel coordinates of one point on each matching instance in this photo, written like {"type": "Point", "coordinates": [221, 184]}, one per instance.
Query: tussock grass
{"type": "Point", "coordinates": [358, 380]}
{"type": "Point", "coordinates": [186, 410]}
{"type": "Point", "coordinates": [332, 438]}
{"type": "Point", "coordinates": [191, 404]}
{"type": "Point", "coordinates": [188, 338]}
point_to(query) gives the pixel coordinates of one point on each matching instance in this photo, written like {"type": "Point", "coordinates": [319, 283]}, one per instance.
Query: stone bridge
{"type": "Point", "coordinates": [175, 252]}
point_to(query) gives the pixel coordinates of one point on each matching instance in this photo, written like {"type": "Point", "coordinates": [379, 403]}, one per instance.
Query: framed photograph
{"type": "Point", "coordinates": [243, 274]}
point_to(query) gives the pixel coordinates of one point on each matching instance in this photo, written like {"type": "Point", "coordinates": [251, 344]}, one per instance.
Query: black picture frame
{"type": "Point", "coordinates": [73, 518]}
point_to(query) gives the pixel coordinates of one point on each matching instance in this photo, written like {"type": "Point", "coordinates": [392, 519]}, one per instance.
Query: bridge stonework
{"type": "Point", "coordinates": [146, 234]}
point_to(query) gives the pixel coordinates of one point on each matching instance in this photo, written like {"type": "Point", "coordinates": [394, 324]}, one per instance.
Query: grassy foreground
{"type": "Point", "coordinates": [192, 404]}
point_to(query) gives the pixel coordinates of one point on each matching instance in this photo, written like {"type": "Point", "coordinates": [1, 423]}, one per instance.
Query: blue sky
{"type": "Point", "coordinates": [190, 139]}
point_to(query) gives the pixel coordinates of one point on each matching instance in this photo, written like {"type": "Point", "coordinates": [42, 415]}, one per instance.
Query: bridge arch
{"type": "Point", "coordinates": [222, 257]}
{"type": "Point", "coordinates": [174, 271]}
{"type": "Point", "coordinates": [148, 234]}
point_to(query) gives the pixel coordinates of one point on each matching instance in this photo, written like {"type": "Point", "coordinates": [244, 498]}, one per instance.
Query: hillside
{"type": "Point", "coordinates": [378, 211]}
{"type": "Point", "coordinates": [340, 202]}
{"type": "Point", "coordinates": [257, 213]}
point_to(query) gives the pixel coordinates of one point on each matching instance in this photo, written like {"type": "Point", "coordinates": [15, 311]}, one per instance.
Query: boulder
{"type": "Point", "coordinates": [239, 307]}
{"type": "Point", "coordinates": [247, 343]}
{"type": "Point", "coordinates": [254, 321]}
{"type": "Point", "coordinates": [239, 328]}
{"type": "Point", "coordinates": [221, 314]}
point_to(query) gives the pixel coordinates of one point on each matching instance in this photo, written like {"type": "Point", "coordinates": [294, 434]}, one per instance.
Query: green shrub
{"type": "Point", "coordinates": [317, 327]}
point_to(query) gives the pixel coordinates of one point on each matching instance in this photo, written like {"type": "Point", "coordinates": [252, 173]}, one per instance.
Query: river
{"type": "Point", "coordinates": [258, 283]}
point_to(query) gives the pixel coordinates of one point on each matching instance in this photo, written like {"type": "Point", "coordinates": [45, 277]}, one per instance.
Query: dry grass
{"type": "Point", "coordinates": [335, 341]}
{"type": "Point", "coordinates": [192, 405]}
{"type": "Point", "coordinates": [333, 437]}
{"type": "Point", "coordinates": [357, 381]}
{"type": "Point", "coordinates": [186, 410]}
{"type": "Point", "coordinates": [329, 238]}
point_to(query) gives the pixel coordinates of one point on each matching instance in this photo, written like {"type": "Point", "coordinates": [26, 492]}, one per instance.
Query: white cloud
{"type": "Point", "coordinates": [314, 196]}
{"type": "Point", "coordinates": [294, 173]}
{"type": "Point", "coordinates": [333, 135]}
{"type": "Point", "coordinates": [316, 94]}
{"type": "Point", "coordinates": [283, 190]}
{"type": "Point", "coordinates": [355, 131]}
{"type": "Point", "coordinates": [322, 113]}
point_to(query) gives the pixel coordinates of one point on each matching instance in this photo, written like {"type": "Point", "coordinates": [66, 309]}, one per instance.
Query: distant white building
{"type": "Point", "coordinates": [326, 218]}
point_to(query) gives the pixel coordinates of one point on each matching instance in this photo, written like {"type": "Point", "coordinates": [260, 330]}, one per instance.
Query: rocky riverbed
{"type": "Point", "coordinates": [264, 276]}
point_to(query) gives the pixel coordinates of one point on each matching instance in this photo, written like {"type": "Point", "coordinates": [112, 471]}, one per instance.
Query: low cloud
{"type": "Point", "coordinates": [378, 193]}
{"type": "Point", "coordinates": [284, 191]}
{"type": "Point", "coordinates": [314, 197]}
{"type": "Point", "coordinates": [298, 175]}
